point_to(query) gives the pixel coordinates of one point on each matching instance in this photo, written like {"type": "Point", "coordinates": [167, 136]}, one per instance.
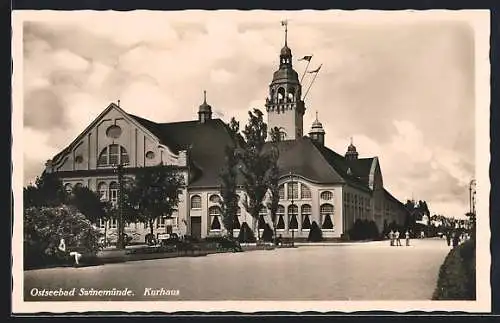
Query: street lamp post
{"type": "Point", "coordinates": [120, 243]}
{"type": "Point", "coordinates": [291, 203]}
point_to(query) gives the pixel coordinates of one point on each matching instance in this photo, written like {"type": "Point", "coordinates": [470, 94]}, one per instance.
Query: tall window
{"type": "Point", "coordinates": [113, 193]}
{"type": "Point", "coordinates": [160, 222]}
{"type": "Point", "coordinates": [236, 221]}
{"type": "Point", "coordinates": [280, 214]}
{"type": "Point", "coordinates": [113, 223]}
{"type": "Point", "coordinates": [102, 189]}
{"type": "Point", "coordinates": [102, 223]}
{"type": "Point", "coordinates": [113, 155]}
{"type": "Point", "coordinates": [305, 213]}
{"type": "Point", "coordinates": [305, 192]}
{"type": "Point", "coordinates": [293, 211]}
{"type": "Point", "coordinates": [214, 213]}
{"type": "Point", "coordinates": [262, 218]}
{"type": "Point", "coordinates": [326, 213]}
{"type": "Point", "coordinates": [196, 202]}
{"type": "Point", "coordinates": [326, 195]}
{"type": "Point", "coordinates": [281, 191]}
{"type": "Point", "coordinates": [293, 191]}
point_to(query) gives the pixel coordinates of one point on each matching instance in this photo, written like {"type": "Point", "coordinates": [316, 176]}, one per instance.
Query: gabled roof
{"type": "Point", "coordinates": [205, 143]}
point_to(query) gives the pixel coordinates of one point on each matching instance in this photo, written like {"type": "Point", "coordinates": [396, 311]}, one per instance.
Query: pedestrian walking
{"type": "Point", "coordinates": [456, 239]}
{"type": "Point", "coordinates": [407, 236]}
{"type": "Point", "coordinates": [391, 237]}
{"type": "Point", "coordinates": [398, 240]}
{"type": "Point", "coordinates": [448, 238]}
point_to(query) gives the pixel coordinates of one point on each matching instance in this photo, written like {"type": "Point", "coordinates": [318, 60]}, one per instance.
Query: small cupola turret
{"type": "Point", "coordinates": [317, 133]}
{"type": "Point", "coordinates": [351, 153]}
{"type": "Point", "coordinates": [205, 110]}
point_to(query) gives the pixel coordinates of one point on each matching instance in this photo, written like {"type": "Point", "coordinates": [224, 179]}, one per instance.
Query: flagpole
{"type": "Point", "coordinates": [316, 74]}
{"type": "Point", "coordinates": [305, 71]}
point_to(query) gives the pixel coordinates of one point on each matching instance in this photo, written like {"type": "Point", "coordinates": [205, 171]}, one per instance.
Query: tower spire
{"type": "Point", "coordinates": [205, 96]}
{"type": "Point", "coordinates": [285, 23]}
{"type": "Point", "coordinates": [316, 115]}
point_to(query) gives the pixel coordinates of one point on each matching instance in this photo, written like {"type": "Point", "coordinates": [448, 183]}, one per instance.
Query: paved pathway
{"type": "Point", "coordinates": [353, 271]}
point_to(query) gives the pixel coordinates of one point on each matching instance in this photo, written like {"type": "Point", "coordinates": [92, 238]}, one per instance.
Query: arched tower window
{"type": "Point", "coordinates": [113, 154]}
{"type": "Point", "coordinates": [281, 94]}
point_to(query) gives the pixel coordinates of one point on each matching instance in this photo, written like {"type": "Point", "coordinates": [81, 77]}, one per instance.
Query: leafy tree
{"type": "Point", "coordinates": [88, 203]}
{"type": "Point", "coordinates": [153, 193]}
{"type": "Point", "coordinates": [273, 179]}
{"type": "Point", "coordinates": [47, 191]}
{"type": "Point", "coordinates": [229, 202]}
{"type": "Point", "coordinates": [255, 164]}
{"type": "Point", "coordinates": [45, 226]}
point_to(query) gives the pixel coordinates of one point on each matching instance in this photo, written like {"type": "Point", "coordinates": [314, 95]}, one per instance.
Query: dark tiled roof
{"type": "Point", "coordinates": [302, 157]}
{"type": "Point", "coordinates": [362, 167]}
{"type": "Point", "coordinates": [205, 143]}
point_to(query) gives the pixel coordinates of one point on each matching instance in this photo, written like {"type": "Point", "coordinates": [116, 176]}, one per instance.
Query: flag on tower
{"type": "Point", "coordinates": [306, 58]}
{"type": "Point", "coordinates": [316, 70]}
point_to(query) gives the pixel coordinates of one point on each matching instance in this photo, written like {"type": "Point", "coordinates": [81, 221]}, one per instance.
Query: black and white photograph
{"type": "Point", "coordinates": [251, 161]}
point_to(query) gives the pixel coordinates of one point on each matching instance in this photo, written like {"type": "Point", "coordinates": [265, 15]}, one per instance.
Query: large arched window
{"type": "Point", "coordinates": [113, 155]}
{"type": "Point", "coordinates": [196, 202]}
{"type": "Point", "coordinates": [305, 213]}
{"type": "Point", "coordinates": [293, 211]}
{"type": "Point", "coordinates": [280, 214]}
{"type": "Point", "coordinates": [214, 213]}
{"type": "Point", "coordinates": [214, 198]}
{"type": "Point", "coordinates": [326, 213]}
{"type": "Point", "coordinates": [305, 192]}
{"type": "Point", "coordinates": [113, 193]}
{"type": "Point", "coordinates": [102, 188]}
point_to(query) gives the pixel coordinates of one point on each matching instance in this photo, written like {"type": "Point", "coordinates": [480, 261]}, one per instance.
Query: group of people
{"type": "Point", "coordinates": [454, 238]}
{"type": "Point", "coordinates": [395, 238]}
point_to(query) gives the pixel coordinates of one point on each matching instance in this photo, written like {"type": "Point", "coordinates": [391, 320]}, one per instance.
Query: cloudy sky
{"type": "Point", "coordinates": [403, 89]}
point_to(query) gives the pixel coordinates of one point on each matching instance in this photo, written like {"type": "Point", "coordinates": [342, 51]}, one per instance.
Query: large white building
{"type": "Point", "coordinates": [316, 184]}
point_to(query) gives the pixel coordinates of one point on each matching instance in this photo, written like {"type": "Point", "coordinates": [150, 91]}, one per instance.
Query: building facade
{"type": "Point", "coordinates": [316, 183]}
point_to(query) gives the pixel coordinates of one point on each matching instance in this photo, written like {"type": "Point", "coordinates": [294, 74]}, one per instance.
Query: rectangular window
{"type": "Point", "coordinates": [102, 223]}
{"type": "Point", "coordinates": [113, 196]}
{"type": "Point", "coordinates": [160, 222]}
{"type": "Point", "coordinates": [293, 191]}
{"type": "Point", "coordinates": [113, 224]}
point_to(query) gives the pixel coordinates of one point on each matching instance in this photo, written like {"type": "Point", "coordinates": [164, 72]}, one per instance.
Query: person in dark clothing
{"type": "Point", "coordinates": [448, 238]}
{"type": "Point", "coordinates": [456, 239]}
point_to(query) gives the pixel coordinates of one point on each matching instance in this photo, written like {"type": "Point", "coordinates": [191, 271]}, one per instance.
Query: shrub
{"type": "Point", "coordinates": [45, 226]}
{"type": "Point", "coordinates": [246, 234]}
{"type": "Point", "coordinates": [364, 229]}
{"type": "Point", "coordinates": [267, 235]}
{"type": "Point", "coordinates": [457, 275]}
{"type": "Point", "coordinates": [315, 234]}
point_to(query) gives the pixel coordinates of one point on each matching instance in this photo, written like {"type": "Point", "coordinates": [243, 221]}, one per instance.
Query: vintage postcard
{"type": "Point", "coordinates": [251, 161]}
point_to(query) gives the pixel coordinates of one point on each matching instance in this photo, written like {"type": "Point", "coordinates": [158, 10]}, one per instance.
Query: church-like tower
{"type": "Point", "coordinates": [285, 108]}
{"type": "Point", "coordinates": [351, 153]}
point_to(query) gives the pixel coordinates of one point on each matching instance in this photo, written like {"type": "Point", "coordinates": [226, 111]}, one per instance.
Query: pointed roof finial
{"type": "Point", "coordinates": [351, 140]}
{"type": "Point", "coordinates": [317, 115]}
{"type": "Point", "coordinates": [285, 23]}
{"type": "Point", "coordinates": [205, 96]}
{"type": "Point", "coordinates": [118, 102]}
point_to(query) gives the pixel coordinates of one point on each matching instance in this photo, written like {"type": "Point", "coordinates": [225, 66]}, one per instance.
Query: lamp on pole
{"type": "Point", "coordinates": [119, 171]}
{"type": "Point", "coordinates": [292, 204]}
